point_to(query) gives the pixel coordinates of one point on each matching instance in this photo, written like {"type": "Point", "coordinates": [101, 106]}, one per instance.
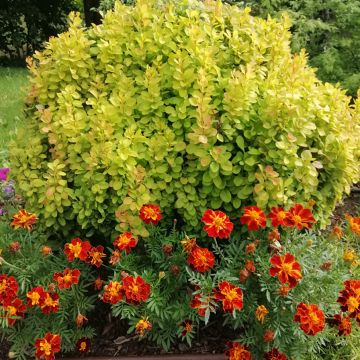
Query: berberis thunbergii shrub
{"type": "Point", "coordinates": [191, 106]}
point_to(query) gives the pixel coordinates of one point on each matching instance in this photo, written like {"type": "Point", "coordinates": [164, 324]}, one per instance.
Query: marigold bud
{"type": "Point", "coordinates": [326, 266]}
{"type": "Point", "coordinates": [14, 246]}
{"type": "Point", "coordinates": [249, 266]}
{"type": "Point", "coordinates": [250, 249]}
{"type": "Point", "coordinates": [311, 202]}
{"type": "Point", "coordinates": [244, 274]}
{"type": "Point", "coordinates": [46, 250]}
{"type": "Point", "coordinates": [161, 275]}
{"type": "Point", "coordinates": [309, 243]}
{"type": "Point", "coordinates": [274, 235]}
{"type": "Point", "coordinates": [167, 249]}
{"type": "Point", "coordinates": [51, 288]}
{"type": "Point", "coordinates": [283, 290]}
{"type": "Point", "coordinates": [268, 336]}
{"type": "Point", "coordinates": [337, 232]}
{"type": "Point", "coordinates": [175, 270]}
{"type": "Point", "coordinates": [80, 319]}
{"type": "Point", "coordinates": [98, 283]}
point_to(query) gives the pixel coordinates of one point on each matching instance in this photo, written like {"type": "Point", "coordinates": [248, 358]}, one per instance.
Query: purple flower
{"type": "Point", "coordinates": [2, 211]}
{"type": "Point", "coordinates": [8, 189]}
{"type": "Point", "coordinates": [3, 173]}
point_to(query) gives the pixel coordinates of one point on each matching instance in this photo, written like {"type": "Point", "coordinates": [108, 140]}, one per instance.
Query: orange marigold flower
{"type": "Point", "coordinates": [286, 268]}
{"type": "Point", "coordinates": [125, 241]}
{"type": "Point", "coordinates": [343, 324]}
{"type": "Point", "coordinates": [142, 326]}
{"type": "Point", "coordinates": [67, 278]}
{"type": "Point", "coordinates": [261, 312]}
{"type": "Point", "coordinates": [337, 232]}
{"type": "Point", "coordinates": [299, 217]}
{"type": "Point", "coordinates": [35, 296]}
{"type": "Point", "coordinates": [201, 259]}
{"type": "Point", "coordinates": [77, 249]}
{"type": "Point", "coordinates": [274, 235]}
{"type": "Point", "coordinates": [349, 299]}
{"type": "Point", "coordinates": [136, 289]}
{"type": "Point", "coordinates": [354, 223]}
{"type": "Point", "coordinates": [253, 217]}
{"type": "Point", "coordinates": [150, 214]}
{"type": "Point", "coordinates": [113, 292]}
{"type": "Point", "coordinates": [95, 256]}
{"type": "Point", "coordinates": [277, 216]}
{"type": "Point", "coordinates": [188, 244]}
{"type": "Point", "coordinates": [217, 224]}
{"type": "Point", "coordinates": [8, 287]}
{"type": "Point", "coordinates": [12, 310]}
{"type": "Point", "coordinates": [49, 303]}
{"type": "Point", "coordinates": [201, 304]}
{"type": "Point", "coordinates": [24, 220]}
{"type": "Point", "coordinates": [230, 295]}
{"type": "Point", "coordinates": [310, 317]}
{"type": "Point", "coordinates": [83, 345]}
{"type": "Point", "coordinates": [115, 257]}
{"type": "Point", "coordinates": [250, 248]}
{"type": "Point", "coordinates": [46, 250]}
{"type": "Point", "coordinates": [284, 290]}
{"type": "Point", "coordinates": [98, 283]}
{"type": "Point", "coordinates": [237, 351]}
{"type": "Point", "coordinates": [80, 319]}
{"type": "Point", "coordinates": [274, 354]}
{"type": "Point", "coordinates": [268, 336]}
{"type": "Point", "coordinates": [47, 346]}
{"type": "Point", "coordinates": [250, 266]}
{"type": "Point", "coordinates": [186, 327]}
{"type": "Point", "coordinates": [243, 275]}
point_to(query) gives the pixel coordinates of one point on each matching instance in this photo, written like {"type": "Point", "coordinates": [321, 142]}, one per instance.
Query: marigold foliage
{"type": "Point", "coordinates": [190, 107]}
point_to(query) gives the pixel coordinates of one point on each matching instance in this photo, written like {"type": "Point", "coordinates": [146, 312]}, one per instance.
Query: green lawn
{"type": "Point", "coordinates": [13, 82]}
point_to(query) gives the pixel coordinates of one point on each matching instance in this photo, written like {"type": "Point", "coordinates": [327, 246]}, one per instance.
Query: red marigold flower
{"type": "Point", "coordinates": [80, 319]}
{"type": "Point", "coordinates": [274, 235]}
{"type": "Point", "coordinates": [286, 268]}
{"type": "Point", "coordinates": [274, 354]}
{"type": "Point", "coordinates": [261, 312]}
{"type": "Point", "coordinates": [12, 310]}
{"type": "Point", "coordinates": [299, 217]}
{"type": "Point", "coordinates": [77, 249]}
{"type": "Point", "coordinates": [115, 257]}
{"type": "Point", "coordinates": [95, 256]}
{"type": "Point", "coordinates": [230, 295]}
{"type": "Point", "coordinates": [186, 327]}
{"type": "Point", "coordinates": [354, 223]}
{"type": "Point", "coordinates": [253, 217]}
{"type": "Point", "coordinates": [142, 326]}
{"type": "Point", "coordinates": [201, 259]}
{"type": "Point", "coordinates": [250, 248]}
{"type": "Point", "coordinates": [125, 241]}
{"type": "Point", "coordinates": [49, 303]}
{"type": "Point", "coordinates": [35, 296]}
{"type": "Point", "coordinates": [217, 224]}
{"type": "Point", "coordinates": [14, 246]}
{"type": "Point", "coordinates": [46, 250]}
{"type": "Point", "coordinates": [250, 266]}
{"type": "Point", "coordinates": [150, 214]}
{"type": "Point", "coordinates": [343, 324]}
{"type": "Point", "coordinates": [310, 317]}
{"type": "Point", "coordinates": [277, 216]}
{"type": "Point", "coordinates": [201, 304]}
{"type": "Point", "coordinates": [24, 220]}
{"type": "Point", "coordinates": [349, 299]}
{"type": "Point", "coordinates": [66, 279]}
{"type": "Point", "coordinates": [237, 351]}
{"type": "Point", "coordinates": [8, 288]}
{"type": "Point", "coordinates": [83, 345]}
{"type": "Point", "coordinates": [113, 293]}
{"type": "Point", "coordinates": [136, 289]}
{"type": "Point", "coordinates": [47, 346]}
{"type": "Point", "coordinates": [98, 283]}
{"type": "Point", "coordinates": [268, 336]}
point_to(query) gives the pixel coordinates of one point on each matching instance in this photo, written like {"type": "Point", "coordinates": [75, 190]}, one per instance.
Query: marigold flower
{"type": "Point", "coordinates": [343, 324]}
{"type": "Point", "coordinates": [253, 217]}
{"type": "Point", "coordinates": [12, 310]}
{"type": "Point", "coordinates": [83, 345]}
{"type": "Point", "coordinates": [277, 216]}
{"type": "Point", "coordinates": [201, 259]}
{"type": "Point", "coordinates": [150, 214]}
{"type": "Point", "coordinates": [3, 173]}
{"type": "Point", "coordinates": [80, 319]}
{"type": "Point", "coordinates": [24, 220]}
{"type": "Point", "coordinates": [46, 250]}
{"type": "Point", "coordinates": [14, 246]}
{"type": "Point", "coordinates": [47, 346]}
{"type": "Point", "coordinates": [8, 287]}
{"type": "Point", "coordinates": [284, 290]}
{"type": "Point", "coordinates": [136, 289]}
{"type": "Point", "coordinates": [337, 232]}
{"type": "Point", "coordinates": [98, 283]}
{"type": "Point", "coordinates": [261, 312]}
{"type": "Point", "coordinates": [49, 303]}
{"type": "Point", "coordinates": [77, 249]}
{"type": "Point", "coordinates": [230, 295]}
{"type": "Point", "coordinates": [310, 317]}
{"type": "Point", "coordinates": [274, 235]}
{"type": "Point", "coordinates": [167, 249]}
{"type": "Point", "coordinates": [250, 266]}
{"type": "Point", "coordinates": [188, 244]}
{"type": "Point", "coordinates": [186, 327]}
{"type": "Point", "coordinates": [35, 296]}
{"type": "Point", "coordinates": [268, 336]}
{"type": "Point", "coordinates": [286, 268]}
{"type": "Point", "coordinates": [299, 217]}
{"type": "Point", "coordinates": [274, 354]}
{"type": "Point", "coordinates": [250, 248]}
{"type": "Point", "coordinates": [115, 257]}
{"type": "Point", "coordinates": [125, 241]}
{"type": "Point", "coordinates": [113, 292]}
{"type": "Point", "coordinates": [142, 326]}
{"type": "Point", "coordinates": [95, 256]}
{"type": "Point", "coordinates": [349, 255]}
{"type": "Point", "coordinates": [217, 224]}
{"type": "Point", "coordinates": [243, 275]}
{"type": "Point", "coordinates": [354, 223]}
{"type": "Point", "coordinates": [237, 351]}
{"type": "Point", "coordinates": [349, 299]}
{"type": "Point", "coordinates": [66, 279]}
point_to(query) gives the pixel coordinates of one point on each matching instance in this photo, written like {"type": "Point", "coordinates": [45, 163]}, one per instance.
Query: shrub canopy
{"type": "Point", "coordinates": [190, 106]}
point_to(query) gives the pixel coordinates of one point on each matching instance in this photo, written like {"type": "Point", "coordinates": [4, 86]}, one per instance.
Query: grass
{"type": "Point", "coordinates": [13, 82]}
